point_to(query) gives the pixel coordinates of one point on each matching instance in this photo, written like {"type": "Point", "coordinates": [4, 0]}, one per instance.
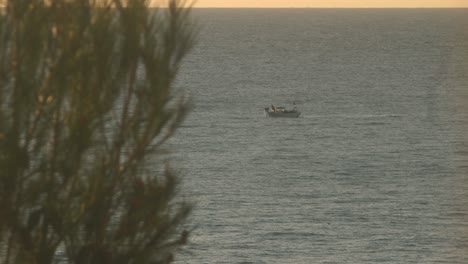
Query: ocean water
{"type": "Point", "coordinates": [376, 168]}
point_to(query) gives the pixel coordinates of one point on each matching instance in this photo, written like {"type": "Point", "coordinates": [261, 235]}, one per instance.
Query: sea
{"type": "Point", "coordinates": [375, 170]}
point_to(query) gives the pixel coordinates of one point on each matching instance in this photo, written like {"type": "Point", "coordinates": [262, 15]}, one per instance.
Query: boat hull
{"type": "Point", "coordinates": [283, 114]}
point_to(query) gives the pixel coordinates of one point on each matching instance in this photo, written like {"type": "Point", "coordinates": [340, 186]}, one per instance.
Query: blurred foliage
{"type": "Point", "coordinates": [86, 102]}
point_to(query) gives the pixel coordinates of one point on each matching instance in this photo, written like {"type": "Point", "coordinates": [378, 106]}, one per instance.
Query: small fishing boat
{"type": "Point", "coordinates": [279, 111]}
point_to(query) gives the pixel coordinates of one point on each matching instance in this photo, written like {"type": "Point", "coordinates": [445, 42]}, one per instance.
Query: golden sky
{"type": "Point", "coordinates": [332, 3]}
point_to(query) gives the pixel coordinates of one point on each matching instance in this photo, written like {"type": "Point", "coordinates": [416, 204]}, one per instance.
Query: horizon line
{"type": "Point", "coordinates": [308, 7]}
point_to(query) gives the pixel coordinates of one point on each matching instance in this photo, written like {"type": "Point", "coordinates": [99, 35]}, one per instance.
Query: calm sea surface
{"type": "Point", "coordinates": [376, 168]}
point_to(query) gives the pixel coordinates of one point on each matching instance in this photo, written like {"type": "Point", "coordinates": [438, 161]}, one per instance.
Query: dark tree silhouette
{"type": "Point", "coordinates": [86, 102]}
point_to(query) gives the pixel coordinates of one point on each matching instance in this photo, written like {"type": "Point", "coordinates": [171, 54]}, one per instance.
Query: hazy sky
{"type": "Point", "coordinates": [332, 3]}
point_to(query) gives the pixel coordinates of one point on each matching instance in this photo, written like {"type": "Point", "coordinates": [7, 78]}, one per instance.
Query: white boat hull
{"type": "Point", "coordinates": [290, 114]}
